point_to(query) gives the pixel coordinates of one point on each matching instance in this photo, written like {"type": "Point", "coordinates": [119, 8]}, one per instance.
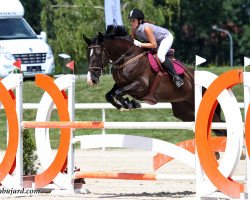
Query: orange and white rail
{"type": "Point", "coordinates": [117, 125]}
{"type": "Point", "coordinates": [133, 176]}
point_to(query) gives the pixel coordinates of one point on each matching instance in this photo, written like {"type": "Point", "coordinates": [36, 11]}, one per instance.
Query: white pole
{"type": "Point", "coordinates": [103, 130]}
{"type": "Point", "coordinates": [198, 169]}
{"type": "Point", "coordinates": [71, 108]}
{"type": "Point", "coordinates": [246, 82]}
{"type": "Point", "coordinates": [19, 109]}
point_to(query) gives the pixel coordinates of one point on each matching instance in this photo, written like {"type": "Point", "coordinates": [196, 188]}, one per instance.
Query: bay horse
{"type": "Point", "coordinates": [133, 76]}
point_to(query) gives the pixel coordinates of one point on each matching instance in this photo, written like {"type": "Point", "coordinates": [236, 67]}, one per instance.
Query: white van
{"type": "Point", "coordinates": [19, 41]}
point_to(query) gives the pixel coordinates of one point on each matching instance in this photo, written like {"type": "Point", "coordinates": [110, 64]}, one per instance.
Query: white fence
{"type": "Point", "coordinates": [134, 125]}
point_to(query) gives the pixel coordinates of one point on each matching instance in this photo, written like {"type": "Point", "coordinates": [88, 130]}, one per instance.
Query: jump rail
{"type": "Point", "coordinates": [117, 125]}
{"type": "Point", "coordinates": [218, 175]}
{"type": "Point", "coordinates": [98, 106]}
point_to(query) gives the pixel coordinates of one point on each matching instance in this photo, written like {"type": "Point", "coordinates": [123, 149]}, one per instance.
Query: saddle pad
{"type": "Point", "coordinates": [179, 67]}
{"type": "Point", "coordinates": [153, 63]}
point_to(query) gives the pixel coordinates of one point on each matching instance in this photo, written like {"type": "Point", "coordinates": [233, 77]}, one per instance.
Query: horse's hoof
{"type": "Point", "coordinates": [243, 155]}
{"type": "Point", "coordinates": [217, 155]}
{"type": "Point", "coordinates": [135, 103]}
{"type": "Point", "coordinates": [123, 109]}
{"type": "Point", "coordinates": [117, 107]}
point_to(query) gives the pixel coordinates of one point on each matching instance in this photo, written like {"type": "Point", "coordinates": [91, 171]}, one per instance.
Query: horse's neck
{"type": "Point", "coordinates": [117, 48]}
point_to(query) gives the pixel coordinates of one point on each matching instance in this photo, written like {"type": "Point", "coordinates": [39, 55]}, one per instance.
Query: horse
{"type": "Point", "coordinates": [134, 76]}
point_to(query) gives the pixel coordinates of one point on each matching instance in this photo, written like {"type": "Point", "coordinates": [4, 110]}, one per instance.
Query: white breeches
{"type": "Point", "coordinates": [164, 47]}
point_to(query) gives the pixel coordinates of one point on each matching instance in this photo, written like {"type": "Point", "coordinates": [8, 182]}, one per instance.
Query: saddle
{"type": "Point", "coordinates": [156, 65]}
{"type": "Point", "coordinates": [157, 68]}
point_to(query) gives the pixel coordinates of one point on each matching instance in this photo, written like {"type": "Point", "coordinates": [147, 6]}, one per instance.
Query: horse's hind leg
{"type": "Point", "coordinates": [183, 110]}
{"type": "Point", "coordinates": [217, 118]}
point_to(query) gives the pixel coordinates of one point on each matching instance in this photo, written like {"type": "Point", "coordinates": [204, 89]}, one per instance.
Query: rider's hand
{"type": "Point", "coordinates": [137, 43]}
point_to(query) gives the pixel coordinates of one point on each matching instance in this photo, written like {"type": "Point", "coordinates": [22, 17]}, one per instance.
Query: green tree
{"type": "Point", "coordinates": [193, 27]}
{"type": "Point", "coordinates": [244, 44]}
{"type": "Point", "coordinates": [155, 12]}
{"type": "Point", "coordinates": [66, 21]}
{"type": "Point", "coordinates": [194, 34]}
{"type": "Point", "coordinates": [29, 156]}
{"type": "Point", "coordinates": [32, 13]}
{"type": "Point", "coordinates": [190, 21]}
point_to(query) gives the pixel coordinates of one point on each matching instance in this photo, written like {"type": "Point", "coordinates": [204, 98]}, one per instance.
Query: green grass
{"type": "Point", "coordinates": [86, 94]}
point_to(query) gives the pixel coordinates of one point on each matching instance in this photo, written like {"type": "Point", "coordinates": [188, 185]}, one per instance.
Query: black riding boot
{"type": "Point", "coordinates": [168, 67]}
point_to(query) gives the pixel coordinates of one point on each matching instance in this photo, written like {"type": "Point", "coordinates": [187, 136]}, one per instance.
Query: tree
{"type": "Point", "coordinates": [193, 28]}
{"type": "Point", "coordinates": [29, 156]}
{"type": "Point", "coordinates": [32, 13]}
{"type": "Point", "coordinates": [190, 21]}
{"type": "Point", "coordinates": [66, 21]}
{"type": "Point", "coordinates": [194, 32]}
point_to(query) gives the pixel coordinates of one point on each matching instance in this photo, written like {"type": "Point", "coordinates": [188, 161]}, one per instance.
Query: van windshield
{"type": "Point", "coordinates": [15, 29]}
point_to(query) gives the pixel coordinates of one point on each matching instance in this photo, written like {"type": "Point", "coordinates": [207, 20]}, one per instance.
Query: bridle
{"type": "Point", "coordinates": [103, 50]}
{"type": "Point", "coordinates": [114, 64]}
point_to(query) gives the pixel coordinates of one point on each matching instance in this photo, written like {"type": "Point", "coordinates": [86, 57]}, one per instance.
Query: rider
{"type": "Point", "coordinates": [153, 37]}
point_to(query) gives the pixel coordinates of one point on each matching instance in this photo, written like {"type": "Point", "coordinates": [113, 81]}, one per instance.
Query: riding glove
{"type": "Point", "coordinates": [137, 43]}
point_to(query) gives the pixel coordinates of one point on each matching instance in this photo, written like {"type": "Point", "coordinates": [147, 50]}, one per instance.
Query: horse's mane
{"type": "Point", "coordinates": [116, 31]}
{"type": "Point", "coordinates": [112, 32]}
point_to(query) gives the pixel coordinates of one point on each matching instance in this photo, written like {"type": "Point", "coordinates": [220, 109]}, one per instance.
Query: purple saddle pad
{"type": "Point", "coordinates": [179, 68]}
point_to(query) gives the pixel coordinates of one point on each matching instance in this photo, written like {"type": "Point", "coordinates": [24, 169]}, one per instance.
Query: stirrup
{"type": "Point", "coordinates": [178, 81]}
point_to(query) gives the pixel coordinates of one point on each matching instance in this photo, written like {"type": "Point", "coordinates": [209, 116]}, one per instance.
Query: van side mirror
{"type": "Point", "coordinates": [43, 36]}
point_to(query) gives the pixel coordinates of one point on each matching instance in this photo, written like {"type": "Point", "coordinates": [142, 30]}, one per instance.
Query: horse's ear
{"type": "Point", "coordinates": [100, 37]}
{"type": "Point", "coordinates": [87, 40]}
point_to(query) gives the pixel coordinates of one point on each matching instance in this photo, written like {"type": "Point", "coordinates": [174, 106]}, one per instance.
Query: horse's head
{"type": "Point", "coordinates": [112, 46]}
{"type": "Point", "coordinates": [96, 59]}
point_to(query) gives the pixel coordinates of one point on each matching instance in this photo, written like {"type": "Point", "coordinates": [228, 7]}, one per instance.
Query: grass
{"type": "Point", "coordinates": [86, 94]}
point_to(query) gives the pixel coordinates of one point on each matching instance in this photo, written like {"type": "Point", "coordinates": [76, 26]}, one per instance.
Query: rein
{"type": "Point", "coordinates": [130, 61]}
{"type": "Point", "coordinates": [114, 64]}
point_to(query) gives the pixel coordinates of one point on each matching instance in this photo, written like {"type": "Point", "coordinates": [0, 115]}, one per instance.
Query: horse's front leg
{"type": "Point", "coordinates": [122, 103]}
{"type": "Point", "coordinates": [126, 103]}
{"type": "Point", "coordinates": [110, 97]}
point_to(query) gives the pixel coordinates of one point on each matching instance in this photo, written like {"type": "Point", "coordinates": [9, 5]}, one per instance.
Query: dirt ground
{"type": "Point", "coordinates": [134, 161]}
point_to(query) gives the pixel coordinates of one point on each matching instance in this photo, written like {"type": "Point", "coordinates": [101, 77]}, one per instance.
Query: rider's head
{"type": "Point", "coordinates": [136, 14]}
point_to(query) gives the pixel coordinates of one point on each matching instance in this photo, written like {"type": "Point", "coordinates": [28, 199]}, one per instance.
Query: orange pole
{"type": "Point", "coordinates": [7, 164]}
{"type": "Point", "coordinates": [203, 129]}
{"type": "Point", "coordinates": [47, 83]}
{"type": "Point", "coordinates": [218, 144]}
{"type": "Point", "coordinates": [107, 175]}
{"type": "Point", "coordinates": [60, 124]}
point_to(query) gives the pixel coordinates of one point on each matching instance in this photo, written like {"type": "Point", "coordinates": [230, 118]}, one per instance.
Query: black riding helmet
{"type": "Point", "coordinates": [136, 14]}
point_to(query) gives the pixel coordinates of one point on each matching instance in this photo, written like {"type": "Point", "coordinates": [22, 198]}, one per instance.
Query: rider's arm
{"type": "Point", "coordinates": [151, 44]}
